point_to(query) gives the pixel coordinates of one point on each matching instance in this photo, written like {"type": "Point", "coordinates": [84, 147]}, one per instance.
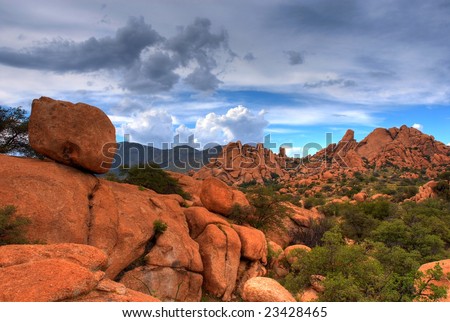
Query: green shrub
{"type": "Point", "coordinates": [267, 208]}
{"type": "Point", "coordinates": [312, 236]}
{"type": "Point", "coordinates": [152, 177]}
{"type": "Point", "coordinates": [363, 272]}
{"type": "Point", "coordinates": [404, 192]}
{"type": "Point", "coordinates": [317, 200]}
{"type": "Point", "coordinates": [12, 229]}
{"type": "Point", "coordinates": [442, 189]}
{"type": "Point", "coordinates": [159, 226]}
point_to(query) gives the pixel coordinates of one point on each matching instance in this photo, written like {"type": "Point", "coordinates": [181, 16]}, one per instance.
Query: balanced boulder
{"type": "Point", "coordinates": [77, 135]}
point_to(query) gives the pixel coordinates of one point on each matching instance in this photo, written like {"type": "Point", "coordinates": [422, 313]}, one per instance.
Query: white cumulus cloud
{"type": "Point", "coordinates": [418, 126]}
{"type": "Point", "coordinates": [239, 123]}
{"type": "Point", "coordinates": [151, 127]}
{"type": "Point", "coordinates": [157, 126]}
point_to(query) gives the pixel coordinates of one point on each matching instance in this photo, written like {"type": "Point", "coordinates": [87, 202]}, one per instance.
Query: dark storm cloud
{"type": "Point", "coordinates": [249, 57]}
{"type": "Point", "coordinates": [195, 43]}
{"type": "Point", "coordinates": [61, 55]}
{"type": "Point", "coordinates": [295, 57]}
{"type": "Point", "coordinates": [401, 20]}
{"type": "Point", "coordinates": [147, 62]}
{"type": "Point", "coordinates": [152, 74]}
{"type": "Point", "coordinates": [202, 79]}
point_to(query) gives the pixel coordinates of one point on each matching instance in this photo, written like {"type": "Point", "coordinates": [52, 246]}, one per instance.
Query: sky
{"type": "Point", "coordinates": [280, 71]}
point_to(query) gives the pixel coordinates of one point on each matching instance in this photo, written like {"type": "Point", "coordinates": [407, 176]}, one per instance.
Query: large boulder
{"type": "Point", "coordinates": [264, 289]}
{"type": "Point", "coordinates": [165, 283]}
{"type": "Point", "coordinates": [220, 248]}
{"type": "Point", "coordinates": [77, 135]}
{"type": "Point", "coordinates": [53, 196]}
{"type": "Point", "coordinates": [59, 272]}
{"type": "Point", "coordinates": [86, 256]}
{"type": "Point", "coordinates": [46, 281]}
{"type": "Point", "coordinates": [175, 249]}
{"type": "Point", "coordinates": [248, 270]}
{"type": "Point", "coordinates": [218, 197]}
{"type": "Point", "coordinates": [253, 241]}
{"type": "Point", "coordinates": [198, 218]}
{"type": "Point", "coordinates": [290, 252]}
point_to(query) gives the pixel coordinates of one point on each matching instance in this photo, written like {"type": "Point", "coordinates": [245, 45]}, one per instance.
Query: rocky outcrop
{"type": "Point", "coordinates": [264, 289]}
{"type": "Point", "coordinates": [248, 270]}
{"type": "Point", "coordinates": [401, 147]}
{"type": "Point", "coordinates": [297, 222]}
{"type": "Point", "coordinates": [253, 241]}
{"type": "Point", "coordinates": [68, 206]}
{"type": "Point", "coordinates": [47, 280]}
{"type": "Point", "coordinates": [220, 248]}
{"type": "Point", "coordinates": [53, 196]}
{"type": "Point", "coordinates": [198, 248]}
{"type": "Point", "coordinates": [217, 197]}
{"type": "Point", "coordinates": [86, 256]}
{"type": "Point", "coordinates": [198, 218]}
{"type": "Point", "coordinates": [360, 196]}
{"type": "Point", "coordinates": [165, 283]}
{"type": "Point", "coordinates": [78, 135]}
{"type": "Point", "coordinates": [60, 272]}
{"type": "Point", "coordinates": [425, 192]}
{"type": "Point", "coordinates": [244, 163]}
{"type": "Point", "coordinates": [110, 291]}
{"type": "Point", "coordinates": [291, 252]}
{"type": "Point", "coordinates": [189, 185]}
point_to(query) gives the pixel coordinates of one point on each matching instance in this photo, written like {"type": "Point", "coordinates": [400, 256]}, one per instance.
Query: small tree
{"type": "Point", "coordinates": [268, 209]}
{"type": "Point", "coordinates": [14, 131]}
{"type": "Point", "coordinates": [426, 290]}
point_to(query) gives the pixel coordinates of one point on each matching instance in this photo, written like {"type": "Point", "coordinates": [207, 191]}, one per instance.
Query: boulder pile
{"type": "Point", "coordinates": [100, 240]}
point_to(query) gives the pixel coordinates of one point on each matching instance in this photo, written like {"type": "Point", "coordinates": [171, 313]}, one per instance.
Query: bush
{"type": "Point", "coordinates": [404, 192]}
{"type": "Point", "coordinates": [362, 218]}
{"type": "Point", "coordinates": [267, 208]}
{"type": "Point", "coordinates": [152, 177]}
{"type": "Point", "coordinates": [442, 189]}
{"type": "Point", "coordinates": [159, 226]}
{"type": "Point", "coordinates": [362, 272]}
{"type": "Point", "coordinates": [12, 229]}
{"type": "Point", "coordinates": [314, 201]}
{"type": "Point", "coordinates": [312, 236]}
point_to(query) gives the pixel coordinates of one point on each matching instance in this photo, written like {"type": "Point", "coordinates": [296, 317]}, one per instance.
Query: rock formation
{"type": "Point", "coordinates": [98, 231]}
{"type": "Point", "coordinates": [78, 135]}
{"type": "Point", "coordinates": [264, 289]}
{"type": "Point", "coordinates": [217, 197]}
{"type": "Point", "coordinates": [244, 163]}
{"type": "Point", "coordinates": [401, 147]}
{"type": "Point", "coordinates": [60, 272]}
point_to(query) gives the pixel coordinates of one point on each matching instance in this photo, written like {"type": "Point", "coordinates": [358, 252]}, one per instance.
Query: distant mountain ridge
{"type": "Point", "coordinates": [181, 158]}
